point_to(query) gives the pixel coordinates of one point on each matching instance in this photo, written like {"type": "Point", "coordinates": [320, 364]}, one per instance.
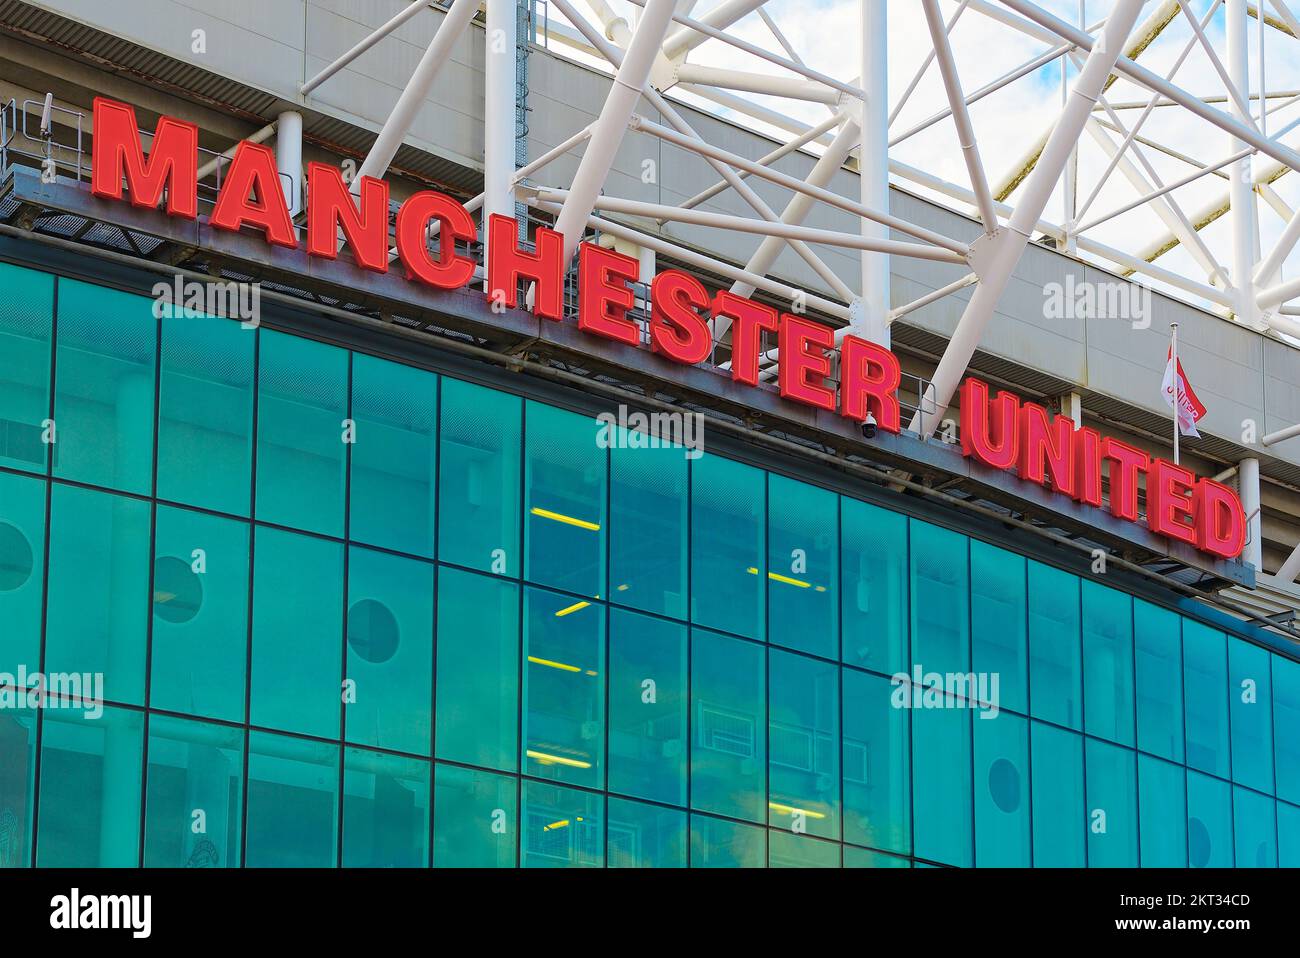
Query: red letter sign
{"type": "Point", "coordinates": [748, 321]}
{"type": "Point", "coordinates": [676, 328]}
{"type": "Point", "coordinates": [450, 270]}
{"type": "Point", "coordinates": [1125, 463]}
{"type": "Point", "coordinates": [988, 429]}
{"type": "Point", "coordinates": [870, 376]}
{"type": "Point", "coordinates": [172, 163]}
{"type": "Point", "coordinates": [1046, 448]}
{"type": "Point", "coordinates": [333, 206]}
{"type": "Point", "coordinates": [603, 294]}
{"type": "Point", "coordinates": [1220, 519]}
{"type": "Point", "coordinates": [1169, 501]}
{"type": "Point", "coordinates": [507, 263]}
{"type": "Point", "coordinates": [251, 194]}
{"type": "Point", "coordinates": [804, 363]}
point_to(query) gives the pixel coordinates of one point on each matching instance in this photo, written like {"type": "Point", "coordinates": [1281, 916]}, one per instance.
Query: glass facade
{"type": "Point", "coordinates": [348, 612]}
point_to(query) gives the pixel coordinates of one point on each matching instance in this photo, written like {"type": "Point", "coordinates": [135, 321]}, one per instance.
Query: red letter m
{"type": "Point", "coordinates": [172, 162]}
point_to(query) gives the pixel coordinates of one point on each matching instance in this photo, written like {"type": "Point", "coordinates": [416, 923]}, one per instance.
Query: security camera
{"type": "Point", "coordinates": [869, 426]}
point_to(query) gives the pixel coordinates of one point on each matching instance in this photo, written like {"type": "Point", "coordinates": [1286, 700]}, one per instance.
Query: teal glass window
{"type": "Point", "coordinates": [1254, 829]}
{"type": "Point", "coordinates": [646, 836]}
{"type": "Point", "coordinates": [26, 321]}
{"type": "Point", "coordinates": [564, 688]}
{"type": "Point", "coordinates": [648, 524]}
{"type": "Point", "coordinates": [803, 735]}
{"type": "Point", "coordinates": [1059, 821]}
{"type": "Point", "coordinates": [998, 622]}
{"type": "Point", "coordinates": [940, 594]}
{"type": "Point", "coordinates": [195, 797]}
{"type": "Point", "coordinates": [474, 820]}
{"type": "Point", "coordinates": [479, 464]}
{"type": "Point", "coordinates": [1250, 698]}
{"type": "Point", "coordinates": [1209, 822]}
{"type": "Point", "coordinates": [728, 505]}
{"type": "Point", "coordinates": [99, 589]}
{"type": "Point", "coordinates": [17, 783]}
{"type": "Point", "coordinates": [393, 493]}
{"type": "Point", "coordinates": [1002, 837]}
{"type": "Point", "coordinates": [104, 388]}
{"type": "Point", "coordinates": [293, 807]}
{"type": "Point", "coordinates": [477, 699]}
{"type": "Point", "coordinates": [302, 405]}
{"type": "Point", "coordinates": [1112, 806]}
{"type": "Point", "coordinates": [787, 850]}
{"type": "Point", "coordinates": [562, 827]}
{"type": "Point", "coordinates": [717, 843]}
{"type": "Point", "coordinates": [802, 567]}
{"type": "Point", "coordinates": [1205, 680]}
{"type": "Point", "coordinates": [385, 810]}
{"type": "Point", "coordinates": [90, 789]}
{"type": "Point", "coordinates": [1286, 715]}
{"type": "Point", "coordinates": [1107, 663]}
{"type": "Point", "coordinates": [205, 413]}
{"type": "Point", "coordinates": [1288, 835]}
{"type": "Point", "coordinates": [22, 575]}
{"type": "Point", "coordinates": [1158, 650]}
{"type": "Point", "coordinates": [297, 659]}
{"type": "Point", "coordinates": [941, 783]}
{"type": "Point", "coordinates": [389, 651]}
{"type": "Point", "coordinates": [1162, 804]}
{"type": "Point", "coordinates": [861, 858]}
{"type": "Point", "coordinates": [877, 765]}
{"type": "Point", "coordinates": [728, 726]}
{"type": "Point", "coordinates": [647, 708]}
{"type": "Point", "coordinates": [1055, 656]}
{"type": "Point", "coordinates": [200, 614]}
{"type": "Point", "coordinates": [565, 473]}
{"type": "Point", "coordinates": [873, 543]}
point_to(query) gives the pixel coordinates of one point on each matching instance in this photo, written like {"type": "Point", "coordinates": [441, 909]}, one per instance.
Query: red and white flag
{"type": "Point", "coordinates": [1190, 409]}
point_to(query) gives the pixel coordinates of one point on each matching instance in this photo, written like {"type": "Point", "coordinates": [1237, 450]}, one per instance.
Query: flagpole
{"type": "Point", "coordinates": [1178, 383]}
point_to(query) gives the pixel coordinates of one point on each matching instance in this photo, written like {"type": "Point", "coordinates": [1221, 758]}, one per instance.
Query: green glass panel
{"type": "Point", "coordinates": [1060, 823]}
{"type": "Point", "coordinates": [1209, 822]}
{"type": "Point", "coordinates": [26, 323]}
{"type": "Point", "coordinates": [1112, 806]}
{"type": "Point", "coordinates": [861, 858]}
{"type": "Point", "coordinates": [1250, 691]}
{"type": "Point", "coordinates": [718, 843]}
{"type": "Point", "coordinates": [1205, 681]}
{"type": "Point", "coordinates": [1162, 807]}
{"type": "Point", "coordinates": [646, 836]}
{"type": "Point", "coordinates": [1286, 715]}
{"type": "Point", "coordinates": [803, 735]}
{"type": "Point", "coordinates": [787, 850]}
{"type": "Point", "coordinates": [803, 567]}
{"type": "Point", "coordinates": [22, 575]}
{"type": "Point", "coordinates": [1254, 829]}
{"type": "Point", "coordinates": [1002, 837]}
{"type": "Point", "coordinates": [293, 806]}
{"type": "Point", "coordinates": [728, 722]}
{"type": "Point", "coordinates": [385, 810]}
{"type": "Point", "coordinates": [999, 623]}
{"type": "Point", "coordinates": [194, 802]}
{"type": "Point", "coordinates": [647, 529]}
{"type": "Point", "coordinates": [941, 783]}
{"type": "Point", "coordinates": [1055, 652]}
{"type": "Point", "coordinates": [728, 503]}
{"type": "Point", "coordinates": [647, 708]}
{"type": "Point", "coordinates": [1107, 663]}
{"type": "Point", "coordinates": [1158, 649]}
{"type": "Point", "coordinates": [875, 577]}
{"type": "Point", "coordinates": [562, 827]}
{"type": "Point", "coordinates": [940, 594]}
{"type": "Point", "coordinates": [877, 765]}
{"type": "Point", "coordinates": [17, 780]}
{"type": "Point", "coordinates": [474, 820]}
{"type": "Point", "coordinates": [1288, 835]}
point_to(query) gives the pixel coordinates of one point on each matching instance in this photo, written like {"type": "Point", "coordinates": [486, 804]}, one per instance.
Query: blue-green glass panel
{"type": "Point", "coordinates": [1205, 681]}
{"type": "Point", "coordinates": [1162, 803]}
{"type": "Point", "coordinates": [296, 683]}
{"type": "Point", "coordinates": [1158, 650]}
{"type": "Point", "coordinates": [293, 803]}
{"type": "Point", "coordinates": [17, 781]}
{"type": "Point", "coordinates": [474, 821]}
{"type": "Point", "coordinates": [1254, 829]}
{"type": "Point", "coordinates": [26, 322]}
{"type": "Point", "coordinates": [873, 545]}
{"type": "Point", "coordinates": [1209, 822]}
{"type": "Point", "coordinates": [22, 575]}
{"type": "Point", "coordinates": [1059, 821]}
{"type": "Point", "coordinates": [1002, 837]}
{"type": "Point", "coordinates": [877, 765]}
{"type": "Point", "coordinates": [940, 596]}
{"type": "Point", "coordinates": [1107, 663]}
{"type": "Point", "coordinates": [200, 614]}
{"type": "Point", "coordinates": [998, 622]}
{"type": "Point", "coordinates": [385, 810]}
{"type": "Point", "coordinates": [393, 492]}
{"type": "Point", "coordinates": [1055, 656]}
{"type": "Point", "coordinates": [717, 843]}
{"type": "Point", "coordinates": [1288, 835]}
{"type": "Point", "coordinates": [861, 858]}
{"type": "Point", "coordinates": [647, 708]}
{"type": "Point", "coordinates": [302, 405]}
{"type": "Point", "coordinates": [941, 783]}
{"type": "Point", "coordinates": [205, 413]}
{"type": "Point", "coordinates": [565, 482]}
{"type": "Point", "coordinates": [648, 526]}
{"type": "Point", "coordinates": [104, 387]}
{"type": "Point", "coordinates": [788, 850]}
{"type": "Point", "coordinates": [90, 788]}
{"type": "Point", "coordinates": [802, 567]}
{"type": "Point", "coordinates": [98, 601]}
{"type": "Point", "coordinates": [564, 689]}
{"type": "Point", "coordinates": [479, 464]}
{"type": "Point", "coordinates": [728, 505]}
{"type": "Point", "coordinates": [562, 827]}
{"type": "Point", "coordinates": [389, 651]}
{"type": "Point", "coordinates": [646, 836]}
{"type": "Point", "coordinates": [1112, 806]}
{"type": "Point", "coordinates": [728, 726]}
{"type": "Point", "coordinates": [1250, 698]}
{"type": "Point", "coordinates": [1286, 715]}
{"type": "Point", "coordinates": [803, 736]}
{"type": "Point", "coordinates": [477, 697]}
{"type": "Point", "coordinates": [195, 798]}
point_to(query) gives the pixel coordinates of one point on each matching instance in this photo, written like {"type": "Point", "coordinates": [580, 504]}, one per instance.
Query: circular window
{"type": "Point", "coordinates": [177, 591]}
{"type": "Point", "coordinates": [15, 558]}
{"type": "Point", "coordinates": [1198, 842]}
{"type": "Point", "coordinates": [372, 631]}
{"type": "Point", "coordinates": [1004, 785]}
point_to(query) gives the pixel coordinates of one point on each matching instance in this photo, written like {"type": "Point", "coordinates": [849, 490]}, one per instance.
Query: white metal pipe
{"type": "Point", "coordinates": [925, 65]}
{"type": "Point", "coordinates": [378, 34]}
{"type": "Point", "coordinates": [416, 91]}
{"type": "Point", "coordinates": [532, 166]}
{"type": "Point", "coordinates": [765, 84]}
{"type": "Point", "coordinates": [684, 39]}
{"type": "Point", "coordinates": [1248, 491]}
{"type": "Point", "coordinates": [1133, 264]}
{"type": "Point", "coordinates": [1232, 83]}
{"type": "Point", "coordinates": [288, 158]}
{"type": "Point", "coordinates": [1291, 567]}
{"type": "Point", "coordinates": [500, 71]}
{"type": "Point", "coordinates": [1241, 185]}
{"type": "Point", "coordinates": [1273, 438]}
{"type": "Point", "coordinates": [873, 319]}
{"type": "Point", "coordinates": [970, 279]}
{"type": "Point", "coordinates": [210, 167]}
{"type": "Point", "coordinates": [1009, 245]}
{"type": "Point", "coordinates": [1267, 270]}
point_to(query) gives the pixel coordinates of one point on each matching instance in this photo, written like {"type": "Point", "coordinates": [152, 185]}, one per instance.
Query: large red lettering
{"type": "Point", "coordinates": [172, 164]}
{"type": "Point", "coordinates": [332, 207]}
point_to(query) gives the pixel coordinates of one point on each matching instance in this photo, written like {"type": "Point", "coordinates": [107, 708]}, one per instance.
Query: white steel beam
{"type": "Point", "coordinates": [500, 70]}
{"type": "Point", "coordinates": [872, 314]}
{"type": "Point", "coordinates": [684, 39]}
{"type": "Point", "coordinates": [378, 34]}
